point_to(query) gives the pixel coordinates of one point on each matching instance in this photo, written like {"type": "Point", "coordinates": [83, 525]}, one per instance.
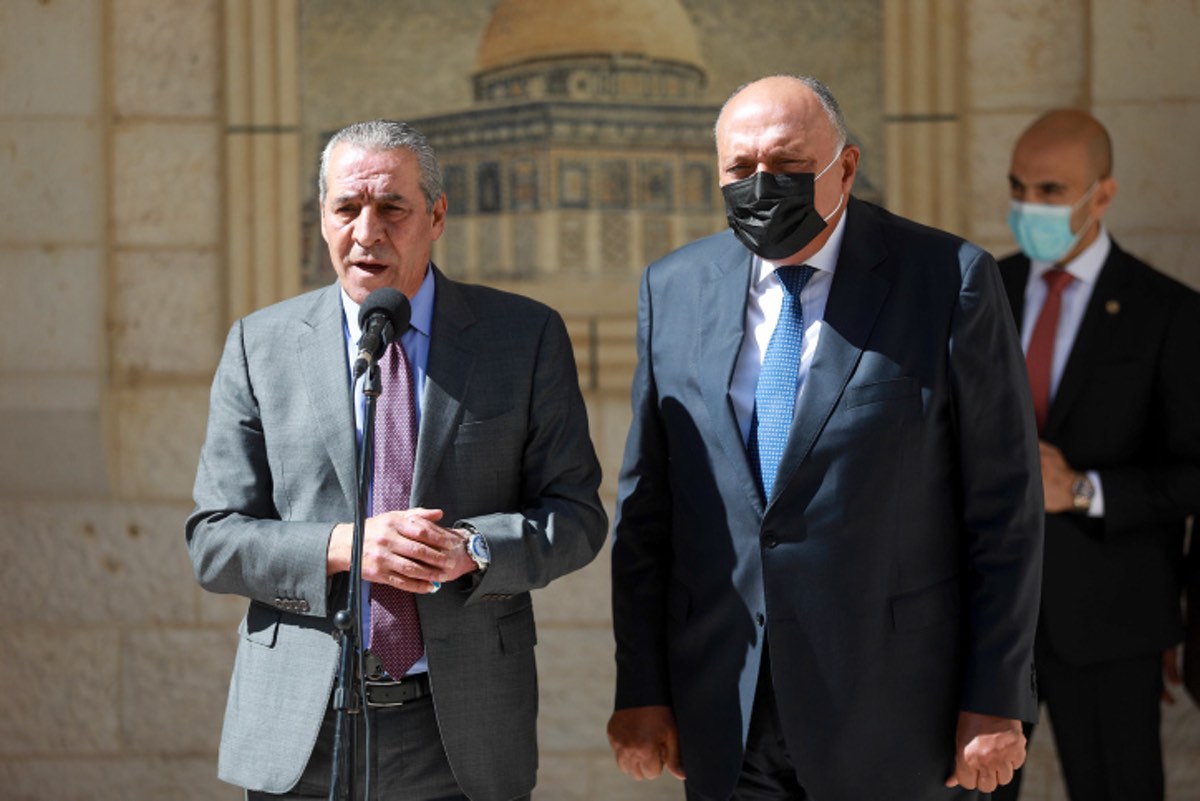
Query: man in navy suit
{"type": "Point", "coordinates": [827, 551]}
{"type": "Point", "coordinates": [1118, 403]}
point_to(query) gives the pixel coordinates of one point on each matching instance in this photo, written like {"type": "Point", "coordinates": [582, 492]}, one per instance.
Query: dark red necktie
{"type": "Point", "coordinates": [395, 627]}
{"type": "Point", "coordinates": [1040, 353]}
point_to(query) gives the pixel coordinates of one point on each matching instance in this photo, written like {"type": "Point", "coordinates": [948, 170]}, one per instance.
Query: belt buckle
{"type": "Point", "coordinates": [370, 685]}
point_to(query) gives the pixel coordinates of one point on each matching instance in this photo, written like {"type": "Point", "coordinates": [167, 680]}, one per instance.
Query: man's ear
{"type": "Point", "coordinates": [849, 162]}
{"type": "Point", "coordinates": [1106, 190]}
{"type": "Point", "coordinates": [438, 213]}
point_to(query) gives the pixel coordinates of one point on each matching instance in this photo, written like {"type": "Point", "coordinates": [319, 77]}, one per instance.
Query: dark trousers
{"type": "Point", "coordinates": [1106, 727]}
{"type": "Point", "coordinates": [767, 772]}
{"type": "Point", "coordinates": [406, 757]}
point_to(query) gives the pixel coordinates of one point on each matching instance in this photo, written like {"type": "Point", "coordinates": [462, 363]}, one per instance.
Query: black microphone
{"type": "Point", "coordinates": [383, 317]}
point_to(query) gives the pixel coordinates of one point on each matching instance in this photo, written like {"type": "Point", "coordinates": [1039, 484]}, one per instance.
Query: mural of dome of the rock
{"type": "Point", "coordinates": [586, 150]}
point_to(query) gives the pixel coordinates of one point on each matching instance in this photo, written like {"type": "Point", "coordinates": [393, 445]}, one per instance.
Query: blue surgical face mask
{"type": "Point", "coordinates": [1043, 230]}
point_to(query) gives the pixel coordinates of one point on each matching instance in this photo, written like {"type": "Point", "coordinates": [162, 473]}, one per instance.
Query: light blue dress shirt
{"type": "Point", "coordinates": [415, 342]}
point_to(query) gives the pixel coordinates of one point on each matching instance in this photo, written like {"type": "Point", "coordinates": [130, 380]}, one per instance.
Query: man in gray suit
{"type": "Point", "coordinates": [503, 500]}
{"type": "Point", "coordinates": [829, 528]}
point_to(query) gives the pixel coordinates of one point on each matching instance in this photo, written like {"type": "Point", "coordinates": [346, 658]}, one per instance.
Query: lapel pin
{"type": "Point", "coordinates": [1113, 306]}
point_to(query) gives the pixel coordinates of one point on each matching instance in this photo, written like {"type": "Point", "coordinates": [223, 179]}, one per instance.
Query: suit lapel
{"type": "Point", "coordinates": [449, 372]}
{"type": "Point", "coordinates": [721, 323]}
{"type": "Point", "coordinates": [854, 301]}
{"type": "Point", "coordinates": [1095, 336]}
{"type": "Point", "coordinates": [322, 350]}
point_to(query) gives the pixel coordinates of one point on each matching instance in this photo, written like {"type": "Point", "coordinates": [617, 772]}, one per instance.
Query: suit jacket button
{"type": "Point", "coordinates": [769, 540]}
{"type": "Point", "coordinates": [761, 619]}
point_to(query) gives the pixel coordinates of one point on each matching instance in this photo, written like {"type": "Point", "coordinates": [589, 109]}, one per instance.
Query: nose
{"type": "Point", "coordinates": [367, 227]}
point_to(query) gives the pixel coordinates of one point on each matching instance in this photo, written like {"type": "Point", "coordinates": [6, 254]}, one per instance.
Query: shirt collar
{"type": "Point", "coordinates": [1086, 266]}
{"type": "Point", "coordinates": [422, 309]}
{"type": "Point", "coordinates": [824, 259]}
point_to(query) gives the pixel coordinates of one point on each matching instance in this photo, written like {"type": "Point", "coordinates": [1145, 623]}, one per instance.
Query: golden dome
{"type": "Point", "coordinates": [526, 30]}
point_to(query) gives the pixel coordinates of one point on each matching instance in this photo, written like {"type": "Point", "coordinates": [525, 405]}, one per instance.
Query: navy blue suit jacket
{"type": "Point", "coordinates": [896, 570]}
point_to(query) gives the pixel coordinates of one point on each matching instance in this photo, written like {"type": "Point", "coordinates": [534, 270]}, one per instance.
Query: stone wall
{"type": "Point", "coordinates": [113, 664]}
{"type": "Point", "coordinates": [123, 260]}
{"type": "Point", "coordinates": [1132, 66]}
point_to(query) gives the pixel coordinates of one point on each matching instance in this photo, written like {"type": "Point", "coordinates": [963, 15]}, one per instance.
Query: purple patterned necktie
{"type": "Point", "coordinates": [395, 627]}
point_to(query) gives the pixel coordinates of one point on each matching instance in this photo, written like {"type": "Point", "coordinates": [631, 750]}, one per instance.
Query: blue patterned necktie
{"type": "Point", "coordinates": [395, 628]}
{"type": "Point", "coordinates": [775, 394]}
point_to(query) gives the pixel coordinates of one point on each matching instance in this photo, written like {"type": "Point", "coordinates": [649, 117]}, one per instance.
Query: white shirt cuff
{"type": "Point", "coordinates": [1097, 507]}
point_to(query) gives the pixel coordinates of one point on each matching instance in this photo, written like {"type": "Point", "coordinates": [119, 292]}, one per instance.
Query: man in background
{"type": "Point", "coordinates": [1111, 349]}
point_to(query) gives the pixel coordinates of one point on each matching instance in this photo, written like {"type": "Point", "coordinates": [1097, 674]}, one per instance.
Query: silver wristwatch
{"type": "Point", "coordinates": [477, 548]}
{"type": "Point", "coordinates": [1082, 492]}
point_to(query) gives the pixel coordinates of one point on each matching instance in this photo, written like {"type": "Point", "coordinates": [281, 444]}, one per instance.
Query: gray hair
{"type": "Point", "coordinates": [828, 103]}
{"type": "Point", "coordinates": [379, 135]}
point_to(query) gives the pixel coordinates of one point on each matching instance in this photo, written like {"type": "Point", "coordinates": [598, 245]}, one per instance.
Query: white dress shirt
{"type": "Point", "coordinates": [763, 304]}
{"type": "Point", "coordinates": [1085, 269]}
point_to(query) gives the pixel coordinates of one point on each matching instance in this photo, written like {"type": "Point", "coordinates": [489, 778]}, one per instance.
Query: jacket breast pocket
{"type": "Point", "coordinates": [485, 461]}
{"type": "Point", "coordinates": [1118, 399]}
{"type": "Point", "coordinates": [500, 428]}
{"type": "Point", "coordinates": [880, 391]}
{"type": "Point", "coordinates": [883, 408]}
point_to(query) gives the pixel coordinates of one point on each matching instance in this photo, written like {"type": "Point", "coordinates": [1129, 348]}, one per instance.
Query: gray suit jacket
{"type": "Point", "coordinates": [894, 572]}
{"type": "Point", "coordinates": [503, 444]}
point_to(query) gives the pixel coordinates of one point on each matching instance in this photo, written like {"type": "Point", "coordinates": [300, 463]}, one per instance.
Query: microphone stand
{"type": "Point", "coordinates": [346, 699]}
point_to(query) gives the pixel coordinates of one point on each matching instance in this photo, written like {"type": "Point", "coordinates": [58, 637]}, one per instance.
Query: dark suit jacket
{"type": "Point", "coordinates": [1128, 406]}
{"type": "Point", "coordinates": [896, 570]}
{"type": "Point", "coordinates": [503, 443]}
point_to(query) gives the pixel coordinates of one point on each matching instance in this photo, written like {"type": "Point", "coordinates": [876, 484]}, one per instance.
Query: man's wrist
{"type": "Point", "coordinates": [337, 553]}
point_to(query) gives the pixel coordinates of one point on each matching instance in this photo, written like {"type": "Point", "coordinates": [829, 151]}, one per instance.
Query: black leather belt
{"type": "Point", "coordinates": [387, 693]}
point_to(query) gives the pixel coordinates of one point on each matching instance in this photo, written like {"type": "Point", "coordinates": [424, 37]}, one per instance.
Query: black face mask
{"type": "Point", "coordinates": [774, 214]}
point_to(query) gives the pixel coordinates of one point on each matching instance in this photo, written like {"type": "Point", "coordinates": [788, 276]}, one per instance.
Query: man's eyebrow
{"type": "Point", "coordinates": [1044, 186]}
{"type": "Point", "coordinates": [783, 154]}
{"type": "Point", "coordinates": [388, 197]}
